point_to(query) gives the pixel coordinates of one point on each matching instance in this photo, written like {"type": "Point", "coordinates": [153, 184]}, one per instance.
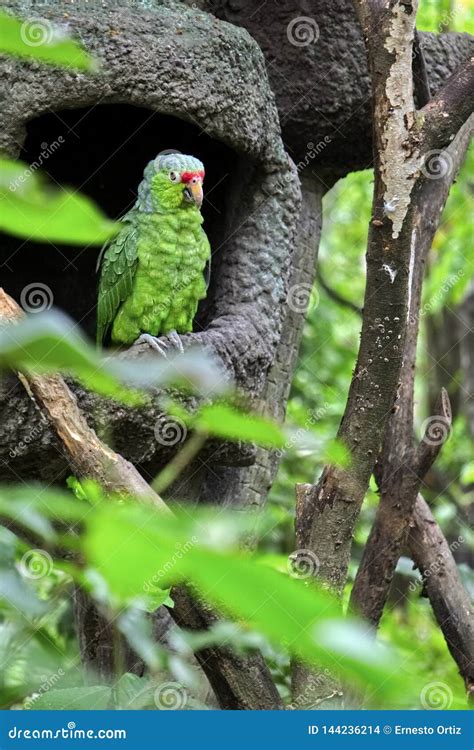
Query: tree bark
{"type": "Point", "coordinates": [400, 139]}
{"type": "Point", "coordinates": [401, 469]}
{"type": "Point", "coordinates": [451, 604]}
{"type": "Point", "coordinates": [249, 486]}
{"type": "Point", "coordinates": [317, 66]}
{"type": "Point", "coordinates": [242, 320]}
{"type": "Point", "coordinates": [337, 497]}
{"type": "Point", "coordinates": [334, 113]}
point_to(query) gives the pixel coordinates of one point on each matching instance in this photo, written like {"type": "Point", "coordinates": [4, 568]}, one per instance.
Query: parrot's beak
{"type": "Point", "coordinates": [193, 192]}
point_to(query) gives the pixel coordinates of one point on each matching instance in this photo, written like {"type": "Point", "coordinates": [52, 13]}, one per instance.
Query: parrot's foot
{"type": "Point", "coordinates": [147, 338]}
{"type": "Point", "coordinates": [176, 341]}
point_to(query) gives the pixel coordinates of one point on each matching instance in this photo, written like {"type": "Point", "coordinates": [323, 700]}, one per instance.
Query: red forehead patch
{"type": "Point", "coordinates": [188, 176]}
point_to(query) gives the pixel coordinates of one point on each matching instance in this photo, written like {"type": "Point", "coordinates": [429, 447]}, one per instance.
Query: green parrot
{"type": "Point", "coordinates": [152, 272]}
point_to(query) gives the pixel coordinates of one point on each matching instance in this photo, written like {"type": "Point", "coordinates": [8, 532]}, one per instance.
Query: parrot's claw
{"type": "Point", "coordinates": [176, 341]}
{"type": "Point", "coordinates": [147, 338]}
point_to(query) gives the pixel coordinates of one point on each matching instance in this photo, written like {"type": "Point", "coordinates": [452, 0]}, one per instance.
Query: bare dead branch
{"type": "Point", "coordinates": [400, 484]}
{"type": "Point", "coordinates": [396, 246]}
{"type": "Point", "coordinates": [336, 499]}
{"type": "Point", "coordinates": [400, 470]}
{"type": "Point", "coordinates": [446, 112]}
{"type": "Point", "coordinates": [451, 604]}
{"type": "Point", "coordinates": [87, 455]}
{"type": "Point", "coordinates": [437, 432]}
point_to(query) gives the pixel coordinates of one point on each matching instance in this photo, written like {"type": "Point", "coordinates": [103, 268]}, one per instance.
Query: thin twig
{"type": "Point", "coordinates": [183, 458]}
{"type": "Point", "coordinates": [438, 428]}
{"type": "Point", "coordinates": [334, 295]}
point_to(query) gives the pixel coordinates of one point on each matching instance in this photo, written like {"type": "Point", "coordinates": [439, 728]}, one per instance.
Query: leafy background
{"type": "Point", "coordinates": [38, 648]}
{"type": "Point", "coordinates": [329, 349]}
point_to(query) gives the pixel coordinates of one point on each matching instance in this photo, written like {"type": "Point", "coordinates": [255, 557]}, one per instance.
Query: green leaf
{"type": "Point", "coordinates": [96, 698]}
{"type": "Point", "coordinates": [14, 505]}
{"type": "Point", "coordinates": [8, 545]}
{"type": "Point", "coordinates": [31, 506]}
{"type": "Point", "coordinates": [50, 342]}
{"type": "Point", "coordinates": [39, 39]}
{"type": "Point", "coordinates": [17, 593]}
{"type": "Point", "coordinates": [132, 547]}
{"type": "Point", "coordinates": [32, 208]}
{"type": "Point", "coordinates": [223, 633]}
{"type": "Point", "coordinates": [156, 597]}
{"type": "Point", "coordinates": [226, 422]}
{"type": "Point", "coordinates": [194, 371]}
{"type": "Point", "coordinates": [137, 629]}
{"type": "Point", "coordinates": [133, 692]}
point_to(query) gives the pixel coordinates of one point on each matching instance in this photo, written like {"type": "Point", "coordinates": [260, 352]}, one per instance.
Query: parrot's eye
{"type": "Point", "coordinates": [174, 176]}
{"type": "Point", "coordinates": [194, 180]}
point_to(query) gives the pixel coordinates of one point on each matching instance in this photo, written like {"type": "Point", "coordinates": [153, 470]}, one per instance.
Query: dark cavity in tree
{"type": "Point", "coordinates": [101, 151]}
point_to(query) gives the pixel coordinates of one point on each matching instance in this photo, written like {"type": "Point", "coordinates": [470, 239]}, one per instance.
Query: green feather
{"type": "Point", "coordinates": [119, 260]}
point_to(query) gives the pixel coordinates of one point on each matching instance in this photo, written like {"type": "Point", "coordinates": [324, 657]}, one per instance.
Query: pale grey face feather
{"type": "Point", "coordinates": [178, 163]}
{"type": "Point", "coordinates": [175, 162]}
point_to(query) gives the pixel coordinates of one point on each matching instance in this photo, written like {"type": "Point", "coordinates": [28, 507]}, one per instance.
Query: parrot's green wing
{"type": "Point", "coordinates": [118, 260]}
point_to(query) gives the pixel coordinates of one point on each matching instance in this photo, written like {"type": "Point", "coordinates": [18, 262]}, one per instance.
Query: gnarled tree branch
{"type": "Point", "coordinates": [446, 112]}
{"type": "Point", "coordinates": [451, 604]}
{"type": "Point", "coordinates": [335, 501]}
{"type": "Point", "coordinates": [394, 240]}
{"type": "Point", "coordinates": [401, 469]}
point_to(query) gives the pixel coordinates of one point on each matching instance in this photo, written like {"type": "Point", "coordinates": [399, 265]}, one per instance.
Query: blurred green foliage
{"type": "Point", "coordinates": [125, 553]}
{"type": "Point", "coordinates": [36, 209]}
{"type": "Point", "coordinates": [37, 38]}
{"type": "Point", "coordinates": [329, 350]}
{"type": "Point", "coordinates": [445, 15]}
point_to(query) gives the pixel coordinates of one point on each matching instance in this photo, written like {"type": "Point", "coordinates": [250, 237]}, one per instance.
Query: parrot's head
{"type": "Point", "coordinates": [171, 181]}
